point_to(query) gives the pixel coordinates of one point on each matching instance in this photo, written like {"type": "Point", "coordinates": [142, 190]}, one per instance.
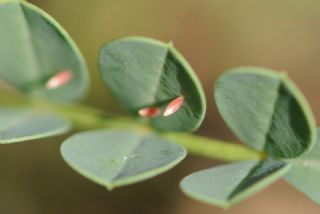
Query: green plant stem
{"type": "Point", "coordinates": [212, 148]}
{"type": "Point", "coordinates": [86, 118]}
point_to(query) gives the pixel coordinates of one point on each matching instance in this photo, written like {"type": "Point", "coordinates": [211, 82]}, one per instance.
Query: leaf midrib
{"type": "Point", "coordinates": [272, 115]}
{"type": "Point", "coordinates": [29, 46]}
{"type": "Point", "coordinates": [158, 78]}
{"type": "Point", "coordinates": [134, 148]}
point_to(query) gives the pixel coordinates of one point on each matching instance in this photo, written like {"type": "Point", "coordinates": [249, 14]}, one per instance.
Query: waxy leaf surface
{"type": "Point", "coordinates": [22, 124]}
{"type": "Point", "coordinates": [116, 158]}
{"type": "Point", "coordinates": [305, 173]}
{"type": "Point", "coordinates": [147, 73]}
{"type": "Point", "coordinates": [266, 111]}
{"type": "Point", "coordinates": [34, 48]}
{"type": "Point", "coordinates": [229, 184]}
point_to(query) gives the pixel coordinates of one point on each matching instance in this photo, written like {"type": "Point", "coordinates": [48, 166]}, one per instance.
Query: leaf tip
{"type": "Point", "coordinates": [283, 74]}
{"type": "Point", "coordinates": [170, 44]}
{"type": "Point", "coordinates": [109, 187]}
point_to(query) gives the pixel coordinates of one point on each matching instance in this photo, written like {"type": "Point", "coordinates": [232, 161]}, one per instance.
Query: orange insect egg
{"type": "Point", "coordinates": [149, 112]}
{"type": "Point", "coordinates": [60, 79]}
{"type": "Point", "coordinates": [173, 106]}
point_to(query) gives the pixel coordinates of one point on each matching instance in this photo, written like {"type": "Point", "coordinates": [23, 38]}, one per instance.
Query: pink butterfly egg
{"type": "Point", "coordinates": [173, 106]}
{"type": "Point", "coordinates": [60, 79]}
{"type": "Point", "coordinates": [149, 112]}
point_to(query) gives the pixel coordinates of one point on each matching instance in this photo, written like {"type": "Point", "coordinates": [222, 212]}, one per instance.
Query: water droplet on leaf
{"type": "Point", "coordinates": [173, 106]}
{"type": "Point", "coordinates": [60, 79]}
{"type": "Point", "coordinates": [125, 158]}
{"type": "Point", "coordinates": [149, 112]}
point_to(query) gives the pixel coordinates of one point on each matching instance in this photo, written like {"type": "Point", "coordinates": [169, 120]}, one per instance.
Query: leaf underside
{"type": "Point", "coordinates": [142, 72]}
{"type": "Point", "coordinates": [229, 184]}
{"type": "Point", "coordinates": [33, 49]}
{"type": "Point", "coordinates": [22, 124]}
{"type": "Point", "coordinates": [305, 173]}
{"type": "Point", "coordinates": [266, 111]}
{"type": "Point", "coordinates": [119, 157]}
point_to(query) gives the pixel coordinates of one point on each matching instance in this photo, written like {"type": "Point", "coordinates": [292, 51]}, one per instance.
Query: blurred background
{"type": "Point", "coordinates": [214, 35]}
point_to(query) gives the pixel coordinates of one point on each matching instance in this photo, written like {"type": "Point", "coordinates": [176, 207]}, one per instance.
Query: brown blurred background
{"type": "Point", "coordinates": [213, 35]}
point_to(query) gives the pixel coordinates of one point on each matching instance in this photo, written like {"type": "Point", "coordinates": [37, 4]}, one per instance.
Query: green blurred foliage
{"type": "Point", "coordinates": [213, 35]}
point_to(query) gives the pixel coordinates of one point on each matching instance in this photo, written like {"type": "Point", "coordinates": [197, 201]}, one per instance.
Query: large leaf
{"type": "Point", "coordinates": [229, 184]}
{"type": "Point", "coordinates": [116, 158]}
{"type": "Point", "coordinates": [22, 124]}
{"type": "Point", "coordinates": [266, 111]}
{"type": "Point", "coordinates": [34, 48]}
{"type": "Point", "coordinates": [305, 173]}
{"type": "Point", "coordinates": [142, 72]}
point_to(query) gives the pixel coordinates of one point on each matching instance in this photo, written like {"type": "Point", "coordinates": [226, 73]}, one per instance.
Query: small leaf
{"type": "Point", "coordinates": [305, 173]}
{"type": "Point", "coordinates": [34, 48]}
{"type": "Point", "coordinates": [144, 73]}
{"type": "Point", "coordinates": [229, 184]}
{"type": "Point", "coordinates": [117, 158]}
{"type": "Point", "coordinates": [266, 111]}
{"type": "Point", "coordinates": [22, 124]}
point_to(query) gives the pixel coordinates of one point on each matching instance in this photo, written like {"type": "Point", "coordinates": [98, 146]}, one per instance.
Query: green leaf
{"type": "Point", "coordinates": [229, 184]}
{"type": "Point", "coordinates": [305, 173]}
{"type": "Point", "coordinates": [34, 48]}
{"type": "Point", "coordinates": [22, 124]}
{"type": "Point", "coordinates": [117, 158]}
{"type": "Point", "coordinates": [142, 72]}
{"type": "Point", "coordinates": [266, 111]}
